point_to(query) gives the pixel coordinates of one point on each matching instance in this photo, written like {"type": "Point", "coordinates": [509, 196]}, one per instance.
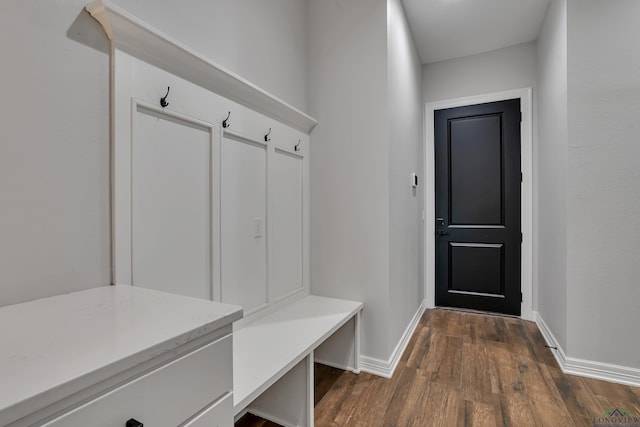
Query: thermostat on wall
{"type": "Point", "coordinates": [414, 180]}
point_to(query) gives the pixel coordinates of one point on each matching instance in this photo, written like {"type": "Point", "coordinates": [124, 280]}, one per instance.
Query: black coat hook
{"type": "Point", "coordinates": [225, 122]}
{"type": "Point", "coordinates": [266, 137]}
{"type": "Point", "coordinates": [163, 100]}
{"type": "Point", "coordinates": [297, 146]}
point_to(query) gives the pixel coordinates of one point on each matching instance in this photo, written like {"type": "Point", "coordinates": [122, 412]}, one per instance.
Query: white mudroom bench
{"type": "Point", "coordinates": [273, 356]}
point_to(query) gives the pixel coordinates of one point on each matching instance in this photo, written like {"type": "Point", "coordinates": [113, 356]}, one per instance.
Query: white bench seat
{"type": "Point", "coordinates": [268, 348]}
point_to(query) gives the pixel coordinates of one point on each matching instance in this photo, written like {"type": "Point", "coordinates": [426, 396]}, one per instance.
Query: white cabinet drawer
{"type": "Point", "coordinates": [220, 414]}
{"type": "Point", "coordinates": [166, 396]}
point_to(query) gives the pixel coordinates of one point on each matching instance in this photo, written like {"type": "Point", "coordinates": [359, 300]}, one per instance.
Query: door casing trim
{"type": "Point", "coordinates": [526, 166]}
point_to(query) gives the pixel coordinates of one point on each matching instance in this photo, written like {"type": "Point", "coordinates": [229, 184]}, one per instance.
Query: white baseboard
{"type": "Point", "coordinates": [587, 368]}
{"type": "Point", "coordinates": [386, 368]}
{"type": "Point", "coordinates": [551, 340]}
{"type": "Point", "coordinates": [603, 371]}
{"type": "Point", "coordinates": [379, 367]}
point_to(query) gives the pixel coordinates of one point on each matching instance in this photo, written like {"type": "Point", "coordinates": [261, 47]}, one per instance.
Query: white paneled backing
{"type": "Point", "coordinates": [286, 255]}
{"type": "Point", "coordinates": [224, 220]}
{"type": "Point", "coordinates": [243, 217]}
{"type": "Point", "coordinates": [171, 187]}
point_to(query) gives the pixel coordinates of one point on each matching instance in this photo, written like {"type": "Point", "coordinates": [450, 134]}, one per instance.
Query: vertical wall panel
{"type": "Point", "coordinates": [171, 204]}
{"type": "Point", "coordinates": [238, 171]}
{"type": "Point", "coordinates": [286, 226]}
{"type": "Point", "coordinates": [243, 223]}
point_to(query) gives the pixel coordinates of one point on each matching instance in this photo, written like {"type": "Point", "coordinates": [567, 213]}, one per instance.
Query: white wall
{"type": "Point", "coordinates": [603, 192]}
{"type": "Point", "coordinates": [509, 68]}
{"type": "Point", "coordinates": [405, 156]}
{"type": "Point", "coordinates": [54, 155]}
{"type": "Point", "coordinates": [349, 159]}
{"type": "Point", "coordinates": [365, 79]}
{"type": "Point", "coordinates": [54, 170]}
{"type": "Point", "coordinates": [550, 271]}
{"type": "Point", "coordinates": [262, 41]}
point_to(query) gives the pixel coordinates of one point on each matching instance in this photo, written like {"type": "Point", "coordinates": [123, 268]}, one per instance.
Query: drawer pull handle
{"type": "Point", "coordinates": [134, 423]}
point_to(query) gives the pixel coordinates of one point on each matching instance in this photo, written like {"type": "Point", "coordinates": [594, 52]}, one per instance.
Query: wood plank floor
{"type": "Point", "coordinates": [466, 369]}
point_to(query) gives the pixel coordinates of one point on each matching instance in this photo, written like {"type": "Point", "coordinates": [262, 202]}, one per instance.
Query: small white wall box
{"type": "Point", "coordinates": [414, 180]}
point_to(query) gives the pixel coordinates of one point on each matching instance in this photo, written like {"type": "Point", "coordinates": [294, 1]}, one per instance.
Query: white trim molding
{"type": "Point", "coordinates": [587, 368]}
{"type": "Point", "coordinates": [386, 368]}
{"type": "Point", "coordinates": [551, 340]}
{"type": "Point", "coordinates": [526, 164]}
{"type": "Point", "coordinates": [134, 36]}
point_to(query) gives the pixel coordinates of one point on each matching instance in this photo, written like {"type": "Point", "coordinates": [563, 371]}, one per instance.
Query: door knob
{"type": "Point", "coordinates": [440, 221]}
{"type": "Point", "coordinates": [134, 423]}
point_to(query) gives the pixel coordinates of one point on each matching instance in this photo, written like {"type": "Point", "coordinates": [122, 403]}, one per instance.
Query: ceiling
{"type": "Point", "coordinates": [446, 29]}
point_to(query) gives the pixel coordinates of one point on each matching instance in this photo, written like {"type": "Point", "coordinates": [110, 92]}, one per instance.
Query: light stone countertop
{"type": "Point", "coordinates": [53, 347]}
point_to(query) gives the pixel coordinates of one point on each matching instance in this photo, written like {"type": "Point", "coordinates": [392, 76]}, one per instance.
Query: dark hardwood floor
{"type": "Point", "coordinates": [466, 369]}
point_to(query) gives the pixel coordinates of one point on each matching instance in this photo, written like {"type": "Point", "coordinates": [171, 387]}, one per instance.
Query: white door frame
{"type": "Point", "coordinates": [526, 164]}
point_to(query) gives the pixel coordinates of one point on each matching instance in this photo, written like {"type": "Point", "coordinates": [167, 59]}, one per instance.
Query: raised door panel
{"type": "Point", "coordinates": [171, 183]}
{"type": "Point", "coordinates": [286, 222]}
{"type": "Point", "coordinates": [476, 170]}
{"type": "Point", "coordinates": [243, 223]}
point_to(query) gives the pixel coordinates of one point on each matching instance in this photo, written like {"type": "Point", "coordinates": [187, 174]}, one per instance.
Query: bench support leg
{"type": "Point", "coordinates": [310, 390]}
{"type": "Point", "coordinates": [342, 349]}
{"type": "Point", "coordinates": [290, 401]}
{"type": "Point", "coordinates": [356, 343]}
